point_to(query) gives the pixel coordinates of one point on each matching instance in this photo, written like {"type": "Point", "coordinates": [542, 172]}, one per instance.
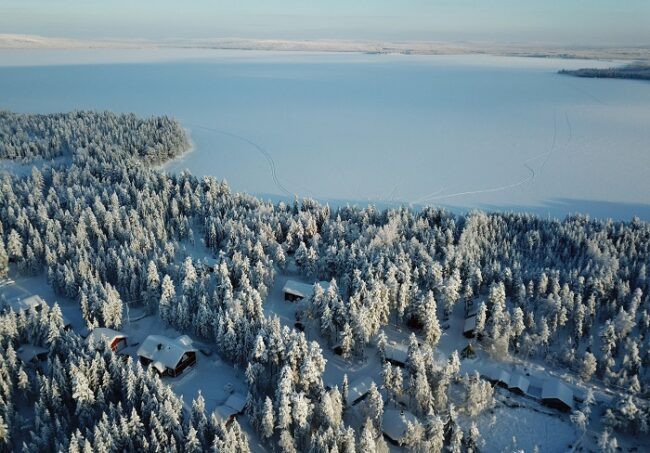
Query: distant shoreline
{"type": "Point", "coordinates": [640, 53]}
{"type": "Point", "coordinates": [632, 72]}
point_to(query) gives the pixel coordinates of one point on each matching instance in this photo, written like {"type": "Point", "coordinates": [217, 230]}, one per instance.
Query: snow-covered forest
{"type": "Point", "coordinates": [106, 226]}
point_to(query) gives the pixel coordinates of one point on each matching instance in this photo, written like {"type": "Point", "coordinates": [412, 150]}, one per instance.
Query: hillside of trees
{"type": "Point", "coordinates": [106, 227]}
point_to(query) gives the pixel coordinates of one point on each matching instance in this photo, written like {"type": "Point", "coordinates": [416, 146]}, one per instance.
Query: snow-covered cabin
{"type": "Point", "coordinates": [35, 302]}
{"type": "Point", "coordinates": [496, 375]}
{"type": "Point", "coordinates": [556, 394]}
{"type": "Point", "coordinates": [396, 354]}
{"type": "Point", "coordinates": [469, 327]}
{"type": "Point", "coordinates": [518, 384]}
{"type": "Point", "coordinates": [358, 390]}
{"type": "Point", "coordinates": [113, 339]}
{"type": "Point", "coordinates": [19, 304]}
{"type": "Point", "coordinates": [29, 353]}
{"type": "Point", "coordinates": [395, 423]}
{"type": "Point", "coordinates": [294, 291]}
{"type": "Point", "coordinates": [232, 407]}
{"type": "Point", "coordinates": [167, 355]}
{"type": "Point", "coordinates": [209, 264]}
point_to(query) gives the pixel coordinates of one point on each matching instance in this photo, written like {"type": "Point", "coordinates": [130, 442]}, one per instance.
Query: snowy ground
{"type": "Point", "coordinates": [25, 168]}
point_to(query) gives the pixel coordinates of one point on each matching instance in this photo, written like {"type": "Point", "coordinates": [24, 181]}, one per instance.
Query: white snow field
{"type": "Point", "coordinates": [469, 131]}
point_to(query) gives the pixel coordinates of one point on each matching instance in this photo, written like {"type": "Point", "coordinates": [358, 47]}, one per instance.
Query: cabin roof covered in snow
{"type": "Point", "coordinates": [224, 412]}
{"type": "Point", "coordinates": [496, 373]}
{"type": "Point", "coordinates": [165, 352]}
{"type": "Point", "coordinates": [517, 381]}
{"type": "Point", "coordinates": [470, 324]}
{"type": "Point", "coordinates": [20, 304]}
{"type": "Point", "coordinates": [237, 401]}
{"type": "Point", "coordinates": [300, 289]}
{"type": "Point", "coordinates": [234, 405]}
{"type": "Point", "coordinates": [105, 334]}
{"type": "Point", "coordinates": [358, 388]}
{"type": "Point", "coordinates": [395, 423]}
{"type": "Point", "coordinates": [556, 389]}
{"type": "Point", "coordinates": [27, 352]}
{"type": "Point", "coordinates": [397, 352]}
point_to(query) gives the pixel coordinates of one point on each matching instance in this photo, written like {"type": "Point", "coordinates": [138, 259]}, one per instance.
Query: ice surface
{"type": "Point", "coordinates": [459, 131]}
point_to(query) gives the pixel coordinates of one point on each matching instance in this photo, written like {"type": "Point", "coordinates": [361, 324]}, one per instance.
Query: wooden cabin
{"type": "Point", "coordinates": [396, 354]}
{"type": "Point", "coordinates": [231, 408]}
{"type": "Point", "coordinates": [170, 357]}
{"type": "Point", "coordinates": [32, 354]}
{"type": "Point", "coordinates": [395, 423]}
{"type": "Point", "coordinates": [557, 395]}
{"type": "Point", "coordinates": [358, 390]}
{"type": "Point", "coordinates": [114, 339]}
{"type": "Point", "coordinates": [294, 291]}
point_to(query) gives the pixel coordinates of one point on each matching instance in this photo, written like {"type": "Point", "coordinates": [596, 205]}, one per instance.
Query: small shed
{"type": "Point", "coordinates": [29, 353]}
{"type": "Point", "coordinates": [232, 407]}
{"type": "Point", "coordinates": [358, 390]}
{"type": "Point", "coordinates": [395, 422]}
{"type": "Point", "coordinates": [167, 355]}
{"type": "Point", "coordinates": [396, 354]}
{"type": "Point", "coordinates": [114, 339]}
{"type": "Point", "coordinates": [556, 394]}
{"type": "Point", "coordinates": [469, 327]}
{"type": "Point", "coordinates": [518, 384]}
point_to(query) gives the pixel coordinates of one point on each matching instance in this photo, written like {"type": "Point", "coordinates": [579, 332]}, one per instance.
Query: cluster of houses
{"type": "Point", "coordinates": [168, 356]}
{"type": "Point", "coordinates": [395, 420]}
{"type": "Point", "coordinates": [549, 391]}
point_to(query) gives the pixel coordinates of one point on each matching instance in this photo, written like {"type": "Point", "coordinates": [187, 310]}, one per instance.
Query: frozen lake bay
{"type": "Point", "coordinates": [463, 132]}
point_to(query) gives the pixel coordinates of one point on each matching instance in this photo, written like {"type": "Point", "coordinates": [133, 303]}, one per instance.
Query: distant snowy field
{"type": "Point", "coordinates": [464, 132]}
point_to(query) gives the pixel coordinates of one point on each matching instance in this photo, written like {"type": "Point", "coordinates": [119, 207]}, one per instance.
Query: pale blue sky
{"type": "Point", "coordinates": [581, 22]}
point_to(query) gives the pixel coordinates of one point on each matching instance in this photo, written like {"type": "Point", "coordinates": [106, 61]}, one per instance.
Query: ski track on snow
{"type": "Point", "coordinates": [530, 178]}
{"type": "Point", "coordinates": [259, 148]}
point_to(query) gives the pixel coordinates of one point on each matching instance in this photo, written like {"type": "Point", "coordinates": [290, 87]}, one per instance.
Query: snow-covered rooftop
{"type": "Point", "coordinates": [358, 388]}
{"type": "Point", "coordinates": [496, 373]}
{"type": "Point", "coordinates": [237, 401]}
{"type": "Point", "coordinates": [395, 423]}
{"type": "Point", "coordinates": [397, 352]}
{"type": "Point", "coordinates": [470, 324]}
{"type": "Point", "coordinates": [20, 304]}
{"type": "Point", "coordinates": [165, 352]}
{"type": "Point", "coordinates": [105, 334]}
{"type": "Point", "coordinates": [556, 389]}
{"type": "Point", "coordinates": [28, 352]}
{"type": "Point", "coordinates": [300, 289]}
{"type": "Point", "coordinates": [234, 405]}
{"type": "Point", "coordinates": [518, 381]}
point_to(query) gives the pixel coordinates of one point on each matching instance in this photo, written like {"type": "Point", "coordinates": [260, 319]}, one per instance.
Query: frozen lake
{"type": "Point", "coordinates": [459, 131]}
